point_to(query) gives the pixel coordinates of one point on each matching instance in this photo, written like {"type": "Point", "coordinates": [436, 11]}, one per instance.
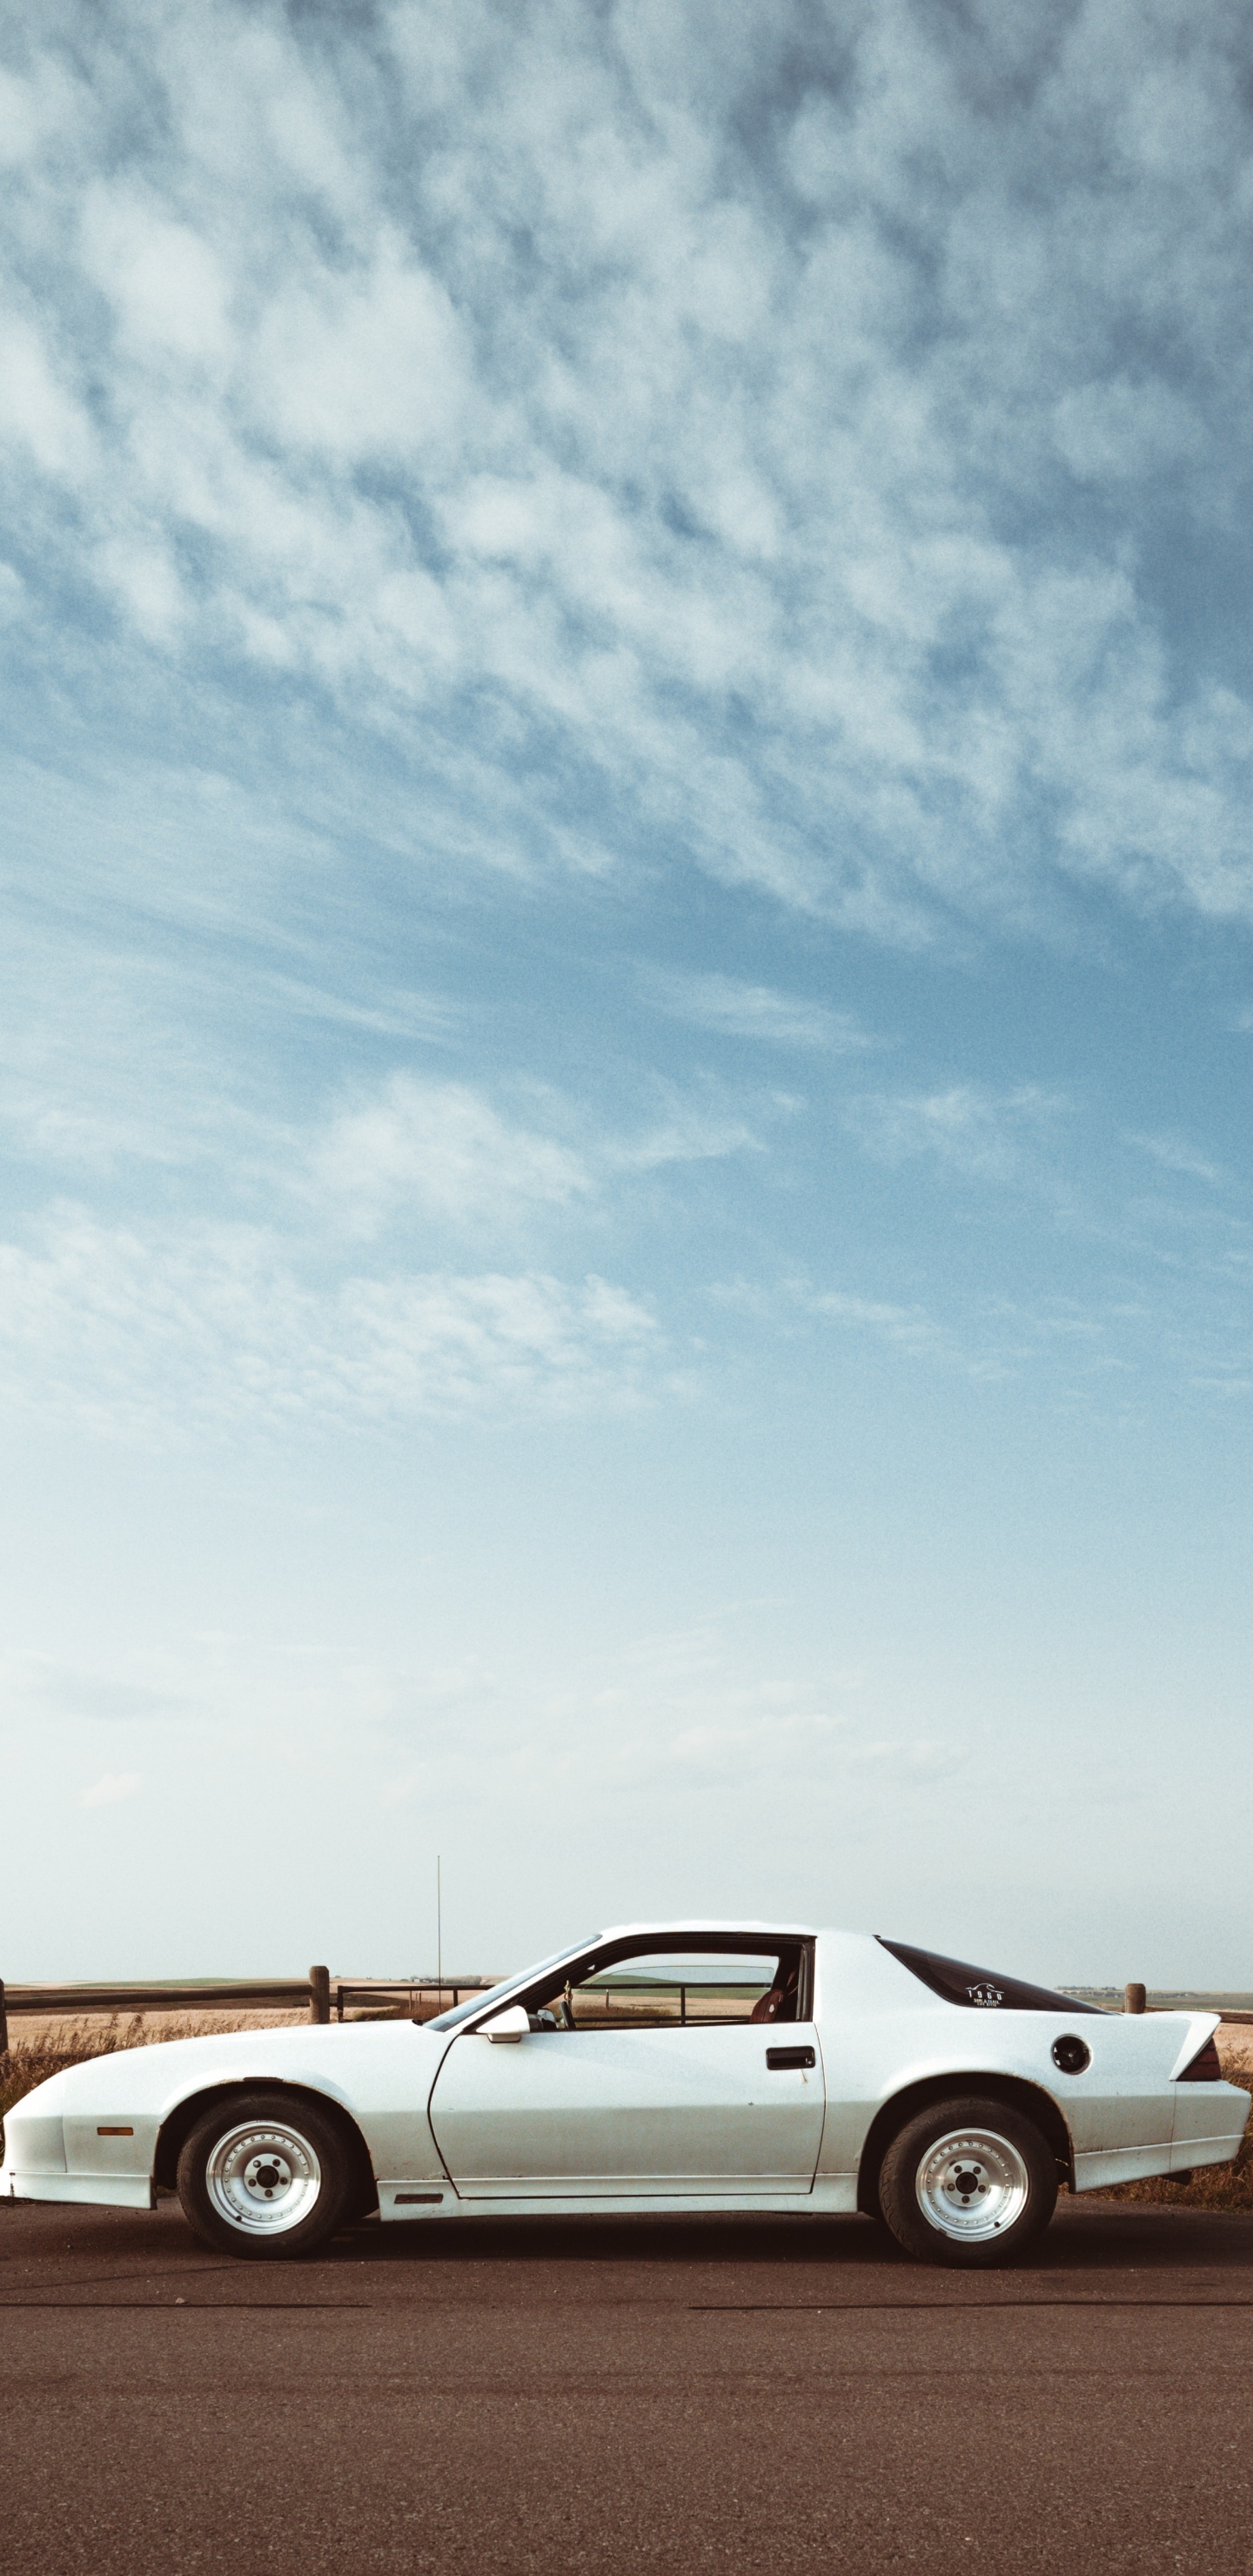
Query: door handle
{"type": "Point", "coordinates": [781, 2057]}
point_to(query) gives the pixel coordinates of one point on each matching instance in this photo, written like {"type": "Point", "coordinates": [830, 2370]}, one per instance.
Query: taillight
{"type": "Point", "coordinates": [1203, 2068]}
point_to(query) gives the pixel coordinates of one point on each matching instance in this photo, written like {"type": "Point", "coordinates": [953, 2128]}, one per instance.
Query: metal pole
{"type": "Point", "coordinates": [439, 1925]}
{"type": "Point", "coordinates": [319, 1994]}
{"type": "Point", "coordinates": [1135, 1999]}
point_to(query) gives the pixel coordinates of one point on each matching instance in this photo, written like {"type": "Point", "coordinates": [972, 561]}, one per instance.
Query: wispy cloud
{"type": "Point", "coordinates": [977, 1131]}
{"type": "Point", "coordinates": [685, 1709]}
{"type": "Point", "coordinates": [1175, 1155]}
{"type": "Point", "coordinates": [731, 1008]}
{"type": "Point", "coordinates": [444, 1151]}
{"type": "Point", "coordinates": [110, 1789]}
{"type": "Point", "coordinates": [153, 1335]}
{"type": "Point", "coordinates": [35, 1687]}
{"type": "Point", "coordinates": [1106, 1352]}
{"type": "Point", "coordinates": [910, 1329]}
{"type": "Point", "coordinates": [441, 1149]}
{"type": "Point", "coordinates": [688, 1132]}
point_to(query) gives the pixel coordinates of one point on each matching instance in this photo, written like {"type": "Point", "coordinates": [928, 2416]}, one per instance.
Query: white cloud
{"type": "Point", "coordinates": [31, 110]}
{"type": "Point", "coordinates": [1174, 1155]}
{"type": "Point", "coordinates": [733, 1008]}
{"type": "Point", "coordinates": [688, 1134]}
{"type": "Point", "coordinates": [367, 365]}
{"type": "Point", "coordinates": [909, 1328]}
{"type": "Point", "coordinates": [145, 580]}
{"type": "Point", "coordinates": [35, 1687]}
{"type": "Point", "coordinates": [984, 1338]}
{"type": "Point", "coordinates": [440, 1148]}
{"type": "Point", "coordinates": [699, 1712]}
{"type": "Point", "coordinates": [36, 409]}
{"type": "Point", "coordinates": [110, 1789]}
{"type": "Point", "coordinates": [677, 450]}
{"type": "Point", "coordinates": [986, 1134]}
{"type": "Point", "coordinates": [1118, 430]}
{"type": "Point", "coordinates": [161, 1334]}
{"type": "Point", "coordinates": [168, 289]}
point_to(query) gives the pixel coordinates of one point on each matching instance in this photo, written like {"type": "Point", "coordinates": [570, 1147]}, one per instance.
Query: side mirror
{"type": "Point", "coordinates": [511, 2024]}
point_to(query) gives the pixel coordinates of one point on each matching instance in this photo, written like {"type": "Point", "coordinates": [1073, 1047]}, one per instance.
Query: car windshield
{"type": "Point", "coordinates": [489, 1995]}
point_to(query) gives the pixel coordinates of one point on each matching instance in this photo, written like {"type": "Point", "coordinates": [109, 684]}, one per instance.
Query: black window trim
{"type": "Point", "coordinates": [628, 1945]}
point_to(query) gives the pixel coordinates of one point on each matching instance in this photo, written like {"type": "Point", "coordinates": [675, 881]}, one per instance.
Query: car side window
{"type": "Point", "coordinates": [668, 1989]}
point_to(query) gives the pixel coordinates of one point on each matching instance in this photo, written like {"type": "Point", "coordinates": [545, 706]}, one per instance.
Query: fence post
{"type": "Point", "coordinates": [4, 2023]}
{"type": "Point", "coordinates": [319, 1994]}
{"type": "Point", "coordinates": [1134, 2000]}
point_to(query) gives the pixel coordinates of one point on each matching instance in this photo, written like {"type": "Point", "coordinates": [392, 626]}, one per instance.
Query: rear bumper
{"type": "Point", "coordinates": [1135, 2164]}
{"type": "Point", "coordinates": [1188, 2152]}
{"type": "Point", "coordinates": [1210, 2121]}
{"type": "Point", "coordinates": [1110, 2165]}
{"type": "Point", "coordinates": [106, 2191]}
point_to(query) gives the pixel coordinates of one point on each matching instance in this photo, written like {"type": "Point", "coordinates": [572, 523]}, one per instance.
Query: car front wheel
{"type": "Point", "coordinates": [968, 2182]}
{"type": "Point", "coordinates": [265, 2175]}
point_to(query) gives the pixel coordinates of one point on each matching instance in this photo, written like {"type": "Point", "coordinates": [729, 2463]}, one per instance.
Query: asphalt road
{"type": "Point", "coordinates": [660, 2396]}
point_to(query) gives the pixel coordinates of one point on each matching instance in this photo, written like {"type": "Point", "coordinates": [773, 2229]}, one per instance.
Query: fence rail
{"type": "Point", "coordinates": [322, 1996]}
{"type": "Point", "coordinates": [319, 1994]}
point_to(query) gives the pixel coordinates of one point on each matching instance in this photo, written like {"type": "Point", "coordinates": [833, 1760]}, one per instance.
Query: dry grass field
{"type": "Point", "coordinates": [64, 2041]}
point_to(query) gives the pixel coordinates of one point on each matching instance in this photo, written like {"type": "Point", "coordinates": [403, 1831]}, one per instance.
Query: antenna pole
{"type": "Point", "coordinates": [439, 1927]}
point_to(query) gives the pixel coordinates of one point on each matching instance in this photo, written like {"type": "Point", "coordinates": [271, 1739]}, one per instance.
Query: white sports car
{"type": "Point", "coordinates": [681, 2067]}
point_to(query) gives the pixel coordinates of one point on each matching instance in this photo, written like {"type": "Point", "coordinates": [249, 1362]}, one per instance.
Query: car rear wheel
{"type": "Point", "coordinates": [968, 2182]}
{"type": "Point", "coordinates": [265, 2176]}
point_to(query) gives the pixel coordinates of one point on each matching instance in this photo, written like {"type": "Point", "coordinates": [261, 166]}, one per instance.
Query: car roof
{"type": "Point", "coordinates": [706, 1923]}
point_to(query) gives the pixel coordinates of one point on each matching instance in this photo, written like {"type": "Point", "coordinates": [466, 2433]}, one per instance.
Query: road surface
{"type": "Point", "coordinates": [550, 2399]}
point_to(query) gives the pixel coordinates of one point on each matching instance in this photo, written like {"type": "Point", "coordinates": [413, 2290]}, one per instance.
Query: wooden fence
{"type": "Point", "coordinates": [1136, 2000]}
{"type": "Point", "coordinates": [322, 1996]}
{"type": "Point", "coordinates": [319, 1994]}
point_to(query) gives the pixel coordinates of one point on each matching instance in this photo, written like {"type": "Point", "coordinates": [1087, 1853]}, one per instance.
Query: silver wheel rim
{"type": "Point", "coordinates": [972, 2184]}
{"type": "Point", "coordinates": [263, 2177]}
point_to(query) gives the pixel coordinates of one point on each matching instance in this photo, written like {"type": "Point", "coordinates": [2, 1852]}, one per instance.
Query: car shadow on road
{"type": "Point", "coordinates": [1094, 2238]}
{"type": "Point", "coordinates": [1118, 2250]}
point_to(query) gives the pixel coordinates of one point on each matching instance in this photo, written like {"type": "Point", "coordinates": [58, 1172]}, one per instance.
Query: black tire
{"type": "Point", "coordinates": [362, 2198]}
{"type": "Point", "coordinates": [968, 2182]}
{"type": "Point", "coordinates": [265, 2176]}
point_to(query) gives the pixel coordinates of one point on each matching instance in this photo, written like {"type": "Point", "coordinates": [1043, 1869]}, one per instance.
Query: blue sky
{"type": "Point", "coordinates": [628, 998]}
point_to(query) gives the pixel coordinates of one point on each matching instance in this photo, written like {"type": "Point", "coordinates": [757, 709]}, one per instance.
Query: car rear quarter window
{"type": "Point", "coordinates": [980, 1989]}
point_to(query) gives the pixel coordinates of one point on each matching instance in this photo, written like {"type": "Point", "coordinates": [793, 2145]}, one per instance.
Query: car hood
{"type": "Point", "coordinates": [329, 2057]}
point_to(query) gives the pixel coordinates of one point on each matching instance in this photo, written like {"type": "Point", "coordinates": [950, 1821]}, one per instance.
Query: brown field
{"type": "Point", "coordinates": [97, 2034]}
{"type": "Point", "coordinates": [41, 2046]}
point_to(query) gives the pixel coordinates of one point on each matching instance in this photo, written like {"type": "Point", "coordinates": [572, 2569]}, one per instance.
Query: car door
{"type": "Point", "coordinates": [657, 2082]}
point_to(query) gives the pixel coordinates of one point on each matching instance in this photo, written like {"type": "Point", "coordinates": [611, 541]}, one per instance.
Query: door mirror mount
{"type": "Point", "coordinates": [510, 2025]}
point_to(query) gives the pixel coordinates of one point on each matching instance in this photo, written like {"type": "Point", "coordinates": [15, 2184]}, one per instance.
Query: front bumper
{"type": "Point", "coordinates": [107, 2191]}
